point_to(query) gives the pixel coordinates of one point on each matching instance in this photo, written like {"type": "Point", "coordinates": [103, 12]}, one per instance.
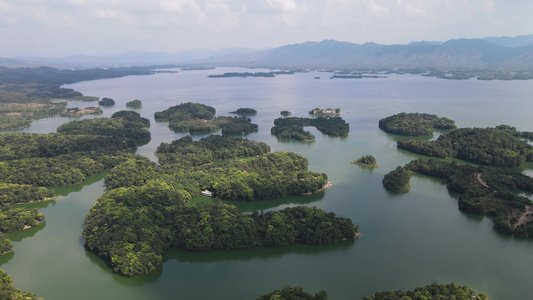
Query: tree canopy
{"type": "Point", "coordinates": [415, 124]}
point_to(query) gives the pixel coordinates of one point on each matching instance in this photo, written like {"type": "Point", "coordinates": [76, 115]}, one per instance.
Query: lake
{"type": "Point", "coordinates": [407, 240]}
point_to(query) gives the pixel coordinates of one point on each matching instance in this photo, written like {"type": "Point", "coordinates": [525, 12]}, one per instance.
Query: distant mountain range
{"type": "Point", "coordinates": [487, 53]}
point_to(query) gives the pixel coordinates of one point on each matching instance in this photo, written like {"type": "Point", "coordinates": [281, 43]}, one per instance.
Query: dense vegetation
{"type": "Point", "coordinates": [245, 111]}
{"type": "Point", "coordinates": [106, 102]}
{"type": "Point", "coordinates": [145, 213]}
{"type": "Point", "coordinates": [432, 291]}
{"type": "Point", "coordinates": [488, 146]}
{"type": "Point", "coordinates": [132, 227]}
{"type": "Point", "coordinates": [16, 219]}
{"type": "Point", "coordinates": [292, 128]}
{"type": "Point", "coordinates": [8, 292]}
{"type": "Point", "coordinates": [366, 161]}
{"type": "Point", "coordinates": [5, 244]}
{"type": "Point", "coordinates": [397, 181]}
{"type": "Point", "coordinates": [415, 124]}
{"type": "Point", "coordinates": [293, 293]}
{"type": "Point", "coordinates": [134, 103]}
{"type": "Point", "coordinates": [285, 113]}
{"type": "Point", "coordinates": [199, 118]}
{"type": "Point", "coordinates": [483, 190]}
{"type": "Point", "coordinates": [16, 193]}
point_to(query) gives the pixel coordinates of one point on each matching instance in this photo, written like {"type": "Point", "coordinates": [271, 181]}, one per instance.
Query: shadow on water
{"type": "Point", "coordinates": [258, 253]}
{"type": "Point", "coordinates": [65, 190]}
{"type": "Point", "coordinates": [251, 206]}
{"type": "Point", "coordinates": [5, 258]}
{"type": "Point", "coordinates": [20, 235]}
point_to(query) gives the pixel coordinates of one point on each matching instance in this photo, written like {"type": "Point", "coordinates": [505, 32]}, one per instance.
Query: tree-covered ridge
{"type": "Point", "coordinates": [432, 291]}
{"type": "Point", "coordinates": [132, 227]}
{"type": "Point", "coordinates": [22, 193]}
{"type": "Point", "coordinates": [185, 151]}
{"type": "Point", "coordinates": [198, 118]}
{"type": "Point", "coordinates": [483, 190]}
{"type": "Point", "coordinates": [262, 175]}
{"type": "Point", "coordinates": [292, 127]}
{"type": "Point", "coordinates": [16, 219]}
{"type": "Point", "coordinates": [415, 124]}
{"type": "Point", "coordinates": [484, 146]}
{"type": "Point", "coordinates": [7, 291]}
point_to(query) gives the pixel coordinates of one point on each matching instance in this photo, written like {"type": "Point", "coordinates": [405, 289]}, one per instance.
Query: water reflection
{"type": "Point", "coordinates": [20, 235]}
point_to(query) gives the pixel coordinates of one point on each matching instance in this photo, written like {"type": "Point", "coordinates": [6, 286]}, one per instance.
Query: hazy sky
{"type": "Point", "coordinates": [54, 28]}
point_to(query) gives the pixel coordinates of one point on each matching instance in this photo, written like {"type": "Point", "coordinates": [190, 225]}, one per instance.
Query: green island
{"type": "Point", "coordinates": [146, 212]}
{"type": "Point", "coordinates": [249, 74]}
{"type": "Point", "coordinates": [198, 118]}
{"type": "Point", "coordinates": [292, 128]}
{"type": "Point", "coordinates": [285, 113]}
{"type": "Point", "coordinates": [483, 190]}
{"type": "Point", "coordinates": [245, 111]}
{"type": "Point", "coordinates": [431, 291]}
{"type": "Point", "coordinates": [134, 103]}
{"type": "Point", "coordinates": [77, 112]}
{"type": "Point", "coordinates": [484, 146]}
{"type": "Point", "coordinates": [415, 124]}
{"type": "Point", "coordinates": [27, 94]}
{"type": "Point", "coordinates": [106, 102]}
{"type": "Point", "coordinates": [366, 161]}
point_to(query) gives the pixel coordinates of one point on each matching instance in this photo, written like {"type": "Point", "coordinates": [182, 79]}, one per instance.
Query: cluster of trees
{"type": "Point", "coordinates": [267, 176]}
{"type": "Point", "coordinates": [106, 102]}
{"type": "Point", "coordinates": [16, 219]}
{"type": "Point", "coordinates": [292, 128]}
{"type": "Point", "coordinates": [17, 193]}
{"type": "Point", "coordinates": [415, 124]}
{"type": "Point", "coordinates": [132, 227]}
{"type": "Point", "coordinates": [432, 291]}
{"type": "Point", "coordinates": [185, 151]}
{"type": "Point", "coordinates": [245, 111]}
{"type": "Point", "coordinates": [8, 291]}
{"type": "Point", "coordinates": [285, 113]}
{"type": "Point", "coordinates": [519, 134]}
{"type": "Point", "coordinates": [293, 293]}
{"type": "Point", "coordinates": [5, 244]}
{"type": "Point", "coordinates": [134, 103]}
{"type": "Point", "coordinates": [483, 190]}
{"type": "Point", "coordinates": [484, 146]}
{"type": "Point", "coordinates": [367, 161]}
{"type": "Point", "coordinates": [199, 118]}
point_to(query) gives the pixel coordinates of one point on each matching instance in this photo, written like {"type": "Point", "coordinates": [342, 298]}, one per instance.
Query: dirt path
{"type": "Point", "coordinates": [525, 217]}
{"type": "Point", "coordinates": [478, 176]}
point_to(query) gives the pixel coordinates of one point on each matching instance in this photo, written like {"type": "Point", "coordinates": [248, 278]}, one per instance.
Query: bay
{"type": "Point", "coordinates": [406, 240]}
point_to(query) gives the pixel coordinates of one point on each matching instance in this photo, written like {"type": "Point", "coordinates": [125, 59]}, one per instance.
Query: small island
{"type": "Point", "coordinates": [366, 161]}
{"type": "Point", "coordinates": [106, 102]}
{"type": "Point", "coordinates": [325, 112]}
{"type": "Point", "coordinates": [245, 112]}
{"type": "Point", "coordinates": [415, 124]}
{"type": "Point", "coordinates": [248, 74]}
{"type": "Point", "coordinates": [292, 128]}
{"type": "Point", "coordinates": [285, 113]}
{"type": "Point", "coordinates": [134, 103]}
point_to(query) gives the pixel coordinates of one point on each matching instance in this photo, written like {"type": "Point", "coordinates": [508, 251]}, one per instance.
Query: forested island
{"type": "Point", "coordinates": [249, 74]}
{"type": "Point", "coordinates": [158, 196]}
{"type": "Point", "coordinates": [198, 118]}
{"type": "Point", "coordinates": [28, 94]}
{"type": "Point", "coordinates": [431, 291]}
{"type": "Point", "coordinates": [484, 146]}
{"type": "Point", "coordinates": [483, 190]}
{"type": "Point", "coordinates": [366, 161]}
{"type": "Point", "coordinates": [292, 128]}
{"type": "Point", "coordinates": [134, 103]}
{"type": "Point", "coordinates": [245, 111]}
{"type": "Point", "coordinates": [415, 124]}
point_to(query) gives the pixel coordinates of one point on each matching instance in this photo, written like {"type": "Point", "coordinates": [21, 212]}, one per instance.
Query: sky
{"type": "Point", "coordinates": [57, 28]}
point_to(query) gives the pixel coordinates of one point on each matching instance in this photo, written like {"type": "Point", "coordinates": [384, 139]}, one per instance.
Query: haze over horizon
{"type": "Point", "coordinates": [56, 28]}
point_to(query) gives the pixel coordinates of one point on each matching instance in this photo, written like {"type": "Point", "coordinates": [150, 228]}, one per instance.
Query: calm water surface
{"type": "Point", "coordinates": [406, 240]}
